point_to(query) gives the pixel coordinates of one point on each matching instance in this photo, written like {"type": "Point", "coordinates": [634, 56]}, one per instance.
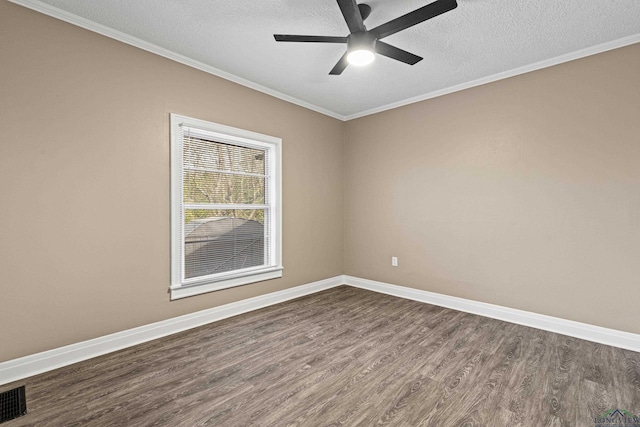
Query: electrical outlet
{"type": "Point", "coordinates": [394, 261]}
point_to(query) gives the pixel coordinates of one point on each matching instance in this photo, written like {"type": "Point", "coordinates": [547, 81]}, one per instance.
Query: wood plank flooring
{"type": "Point", "coordinates": [343, 357]}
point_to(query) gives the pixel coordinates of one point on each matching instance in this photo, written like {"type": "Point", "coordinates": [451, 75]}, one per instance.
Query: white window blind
{"type": "Point", "coordinates": [225, 196]}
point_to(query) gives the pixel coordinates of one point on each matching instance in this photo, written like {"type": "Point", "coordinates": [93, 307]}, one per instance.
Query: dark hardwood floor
{"type": "Point", "coordinates": [345, 356]}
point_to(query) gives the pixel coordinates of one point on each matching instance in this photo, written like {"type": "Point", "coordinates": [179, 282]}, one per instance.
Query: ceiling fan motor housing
{"type": "Point", "coordinates": [363, 40]}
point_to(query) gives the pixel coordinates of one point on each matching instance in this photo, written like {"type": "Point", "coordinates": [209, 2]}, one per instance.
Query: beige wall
{"type": "Point", "coordinates": [84, 182]}
{"type": "Point", "coordinates": [523, 193]}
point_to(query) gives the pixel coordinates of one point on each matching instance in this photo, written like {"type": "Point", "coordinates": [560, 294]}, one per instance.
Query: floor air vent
{"type": "Point", "coordinates": [13, 404]}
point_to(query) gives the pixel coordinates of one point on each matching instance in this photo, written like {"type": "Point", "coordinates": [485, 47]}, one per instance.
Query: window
{"type": "Point", "coordinates": [225, 207]}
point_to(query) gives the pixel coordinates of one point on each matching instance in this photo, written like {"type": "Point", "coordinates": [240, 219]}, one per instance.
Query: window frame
{"type": "Point", "coordinates": [182, 288]}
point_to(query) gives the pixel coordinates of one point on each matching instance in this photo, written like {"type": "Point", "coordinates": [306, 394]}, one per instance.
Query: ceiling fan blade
{"type": "Point", "coordinates": [340, 66]}
{"type": "Point", "coordinates": [412, 18]}
{"type": "Point", "coordinates": [351, 13]}
{"type": "Point", "coordinates": [308, 39]}
{"type": "Point", "coordinates": [396, 53]}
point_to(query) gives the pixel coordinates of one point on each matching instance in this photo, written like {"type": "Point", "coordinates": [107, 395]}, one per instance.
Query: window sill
{"type": "Point", "coordinates": [184, 291]}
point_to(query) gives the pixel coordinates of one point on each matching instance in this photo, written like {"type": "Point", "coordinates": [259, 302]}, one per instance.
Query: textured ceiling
{"type": "Point", "coordinates": [480, 41]}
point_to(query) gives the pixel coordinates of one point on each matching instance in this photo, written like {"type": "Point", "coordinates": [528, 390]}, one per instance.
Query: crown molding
{"type": "Point", "coordinates": [578, 54]}
{"type": "Point", "coordinates": [87, 24]}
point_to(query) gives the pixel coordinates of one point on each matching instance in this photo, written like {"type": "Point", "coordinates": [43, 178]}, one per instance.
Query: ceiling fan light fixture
{"type": "Point", "coordinates": [361, 48]}
{"type": "Point", "coordinates": [360, 57]}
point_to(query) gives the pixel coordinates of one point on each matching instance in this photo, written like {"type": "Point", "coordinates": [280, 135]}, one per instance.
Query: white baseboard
{"type": "Point", "coordinates": [571, 328]}
{"type": "Point", "coordinates": [24, 367]}
{"type": "Point", "coordinates": [17, 369]}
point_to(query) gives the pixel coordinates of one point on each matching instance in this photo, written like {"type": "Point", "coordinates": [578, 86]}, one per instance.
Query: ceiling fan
{"type": "Point", "coordinates": [362, 43]}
